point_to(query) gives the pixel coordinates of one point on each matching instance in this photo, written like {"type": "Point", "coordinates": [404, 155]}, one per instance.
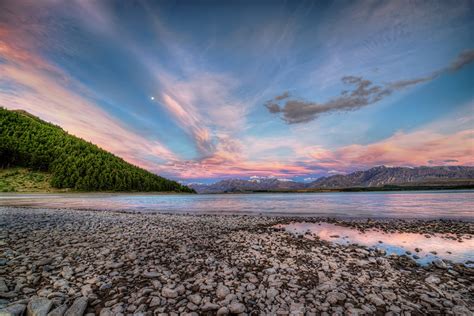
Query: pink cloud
{"type": "Point", "coordinates": [402, 149]}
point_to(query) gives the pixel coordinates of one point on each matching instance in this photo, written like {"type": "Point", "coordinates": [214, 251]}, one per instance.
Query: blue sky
{"type": "Point", "coordinates": [204, 90]}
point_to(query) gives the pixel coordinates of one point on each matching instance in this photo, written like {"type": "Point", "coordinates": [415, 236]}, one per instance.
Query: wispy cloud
{"type": "Point", "coordinates": [423, 147]}
{"type": "Point", "coordinates": [364, 93]}
{"type": "Point", "coordinates": [33, 84]}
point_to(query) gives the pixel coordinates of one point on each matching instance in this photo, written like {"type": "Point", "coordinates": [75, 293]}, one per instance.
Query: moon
{"type": "Point", "coordinates": [152, 98]}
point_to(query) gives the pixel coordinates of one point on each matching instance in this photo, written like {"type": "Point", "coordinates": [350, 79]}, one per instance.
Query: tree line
{"type": "Point", "coordinates": [29, 142]}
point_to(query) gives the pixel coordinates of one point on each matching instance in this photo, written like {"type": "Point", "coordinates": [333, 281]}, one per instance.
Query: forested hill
{"type": "Point", "coordinates": [27, 141]}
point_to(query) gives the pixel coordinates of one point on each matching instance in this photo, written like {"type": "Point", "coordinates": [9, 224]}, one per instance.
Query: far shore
{"type": "Point", "coordinates": [342, 190]}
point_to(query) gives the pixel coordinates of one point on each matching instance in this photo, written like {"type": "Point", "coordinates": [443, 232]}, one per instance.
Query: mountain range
{"type": "Point", "coordinates": [380, 177]}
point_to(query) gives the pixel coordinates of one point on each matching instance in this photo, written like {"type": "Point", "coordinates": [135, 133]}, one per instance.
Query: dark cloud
{"type": "Point", "coordinates": [298, 111]}
{"type": "Point", "coordinates": [401, 84]}
{"type": "Point", "coordinates": [364, 92]}
{"type": "Point", "coordinates": [284, 95]}
{"type": "Point", "coordinates": [451, 160]}
{"type": "Point", "coordinates": [463, 59]}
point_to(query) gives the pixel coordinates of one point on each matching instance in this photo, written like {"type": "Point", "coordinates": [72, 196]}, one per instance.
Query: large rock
{"type": "Point", "coordinates": [58, 311]}
{"type": "Point", "coordinates": [13, 310]}
{"type": "Point", "coordinates": [38, 306]}
{"type": "Point", "coordinates": [77, 308]}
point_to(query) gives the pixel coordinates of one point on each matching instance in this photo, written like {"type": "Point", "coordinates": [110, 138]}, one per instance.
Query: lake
{"type": "Point", "coordinates": [408, 204]}
{"type": "Point", "coordinates": [443, 246]}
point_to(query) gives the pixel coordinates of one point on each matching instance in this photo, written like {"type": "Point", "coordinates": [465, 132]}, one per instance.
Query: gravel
{"type": "Point", "coordinates": [72, 262]}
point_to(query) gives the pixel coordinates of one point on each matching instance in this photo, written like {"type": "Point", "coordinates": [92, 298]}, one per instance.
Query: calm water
{"type": "Point", "coordinates": [429, 247]}
{"type": "Point", "coordinates": [420, 204]}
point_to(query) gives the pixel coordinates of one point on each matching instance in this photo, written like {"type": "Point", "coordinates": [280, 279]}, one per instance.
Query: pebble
{"type": "Point", "coordinates": [222, 291]}
{"type": "Point", "coordinates": [236, 308]}
{"type": "Point", "coordinates": [169, 293]}
{"type": "Point", "coordinates": [439, 263]}
{"type": "Point", "coordinates": [432, 279]}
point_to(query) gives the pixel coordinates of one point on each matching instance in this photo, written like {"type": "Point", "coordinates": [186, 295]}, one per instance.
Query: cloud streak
{"type": "Point", "coordinates": [31, 83]}
{"type": "Point", "coordinates": [423, 147]}
{"type": "Point", "coordinates": [364, 92]}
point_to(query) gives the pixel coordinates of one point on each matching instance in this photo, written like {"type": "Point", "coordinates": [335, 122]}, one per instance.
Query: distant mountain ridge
{"type": "Point", "coordinates": [380, 176]}
{"type": "Point", "coordinates": [372, 178]}
{"type": "Point", "coordinates": [241, 185]}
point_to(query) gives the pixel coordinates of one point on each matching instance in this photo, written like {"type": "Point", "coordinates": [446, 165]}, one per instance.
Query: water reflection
{"type": "Point", "coordinates": [423, 248]}
{"type": "Point", "coordinates": [429, 204]}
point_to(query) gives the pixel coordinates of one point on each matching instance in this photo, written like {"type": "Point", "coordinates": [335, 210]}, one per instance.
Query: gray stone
{"type": "Point", "coordinates": [38, 306]}
{"type": "Point", "coordinates": [77, 308]}
{"type": "Point", "coordinates": [208, 306]}
{"type": "Point", "coordinates": [195, 299]}
{"type": "Point", "coordinates": [460, 310]}
{"type": "Point", "coordinates": [67, 272]}
{"type": "Point", "coordinates": [236, 308]}
{"type": "Point", "coordinates": [13, 310]}
{"type": "Point", "coordinates": [115, 265]}
{"type": "Point", "coordinates": [222, 291]}
{"type": "Point", "coordinates": [272, 292]}
{"type": "Point", "coordinates": [334, 297]}
{"type": "Point", "coordinates": [58, 311]}
{"type": "Point", "coordinates": [106, 312]}
{"type": "Point", "coordinates": [3, 285]}
{"type": "Point", "coordinates": [86, 290]}
{"type": "Point", "coordinates": [151, 274]}
{"type": "Point", "coordinates": [169, 293]}
{"type": "Point", "coordinates": [223, 311]}
{"type": "Point", "coordinates": [440, 264]}
{"type": "Point", "coordinates": [155, 301]}
{"type": "Point", "coordinates": [433, 279]}
{"type": "Point", "coordinates": [375, 299]}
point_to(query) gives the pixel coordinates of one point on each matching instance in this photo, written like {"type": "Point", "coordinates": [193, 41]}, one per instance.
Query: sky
{"type": "Point", "coordinates": [199, 91]}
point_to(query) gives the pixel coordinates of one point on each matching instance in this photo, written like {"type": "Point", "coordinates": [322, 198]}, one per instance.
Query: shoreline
{"type": "Point", "coordinates": [139, 263]}
{"type": "Point", "coordinates": [284, 217]}
{"type": "Point", "coordinates": [429, 189]}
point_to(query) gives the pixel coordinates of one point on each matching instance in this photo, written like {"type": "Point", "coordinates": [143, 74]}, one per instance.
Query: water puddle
{"type": "Point", "coordinates": [422, 248]}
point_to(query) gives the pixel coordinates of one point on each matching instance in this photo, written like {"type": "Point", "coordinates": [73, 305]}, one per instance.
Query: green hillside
{"type": "Point", "coordinates": [28, 142]}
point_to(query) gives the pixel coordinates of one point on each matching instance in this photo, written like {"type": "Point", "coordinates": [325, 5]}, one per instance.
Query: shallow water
{"type": "Point", "coordinates": [435, 246]}
{"type": "Point", "coordinates": [419, 204]}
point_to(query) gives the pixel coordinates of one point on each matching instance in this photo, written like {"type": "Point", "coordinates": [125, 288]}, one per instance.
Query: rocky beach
{"type": "Point", "coordinates": [76, 262]}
